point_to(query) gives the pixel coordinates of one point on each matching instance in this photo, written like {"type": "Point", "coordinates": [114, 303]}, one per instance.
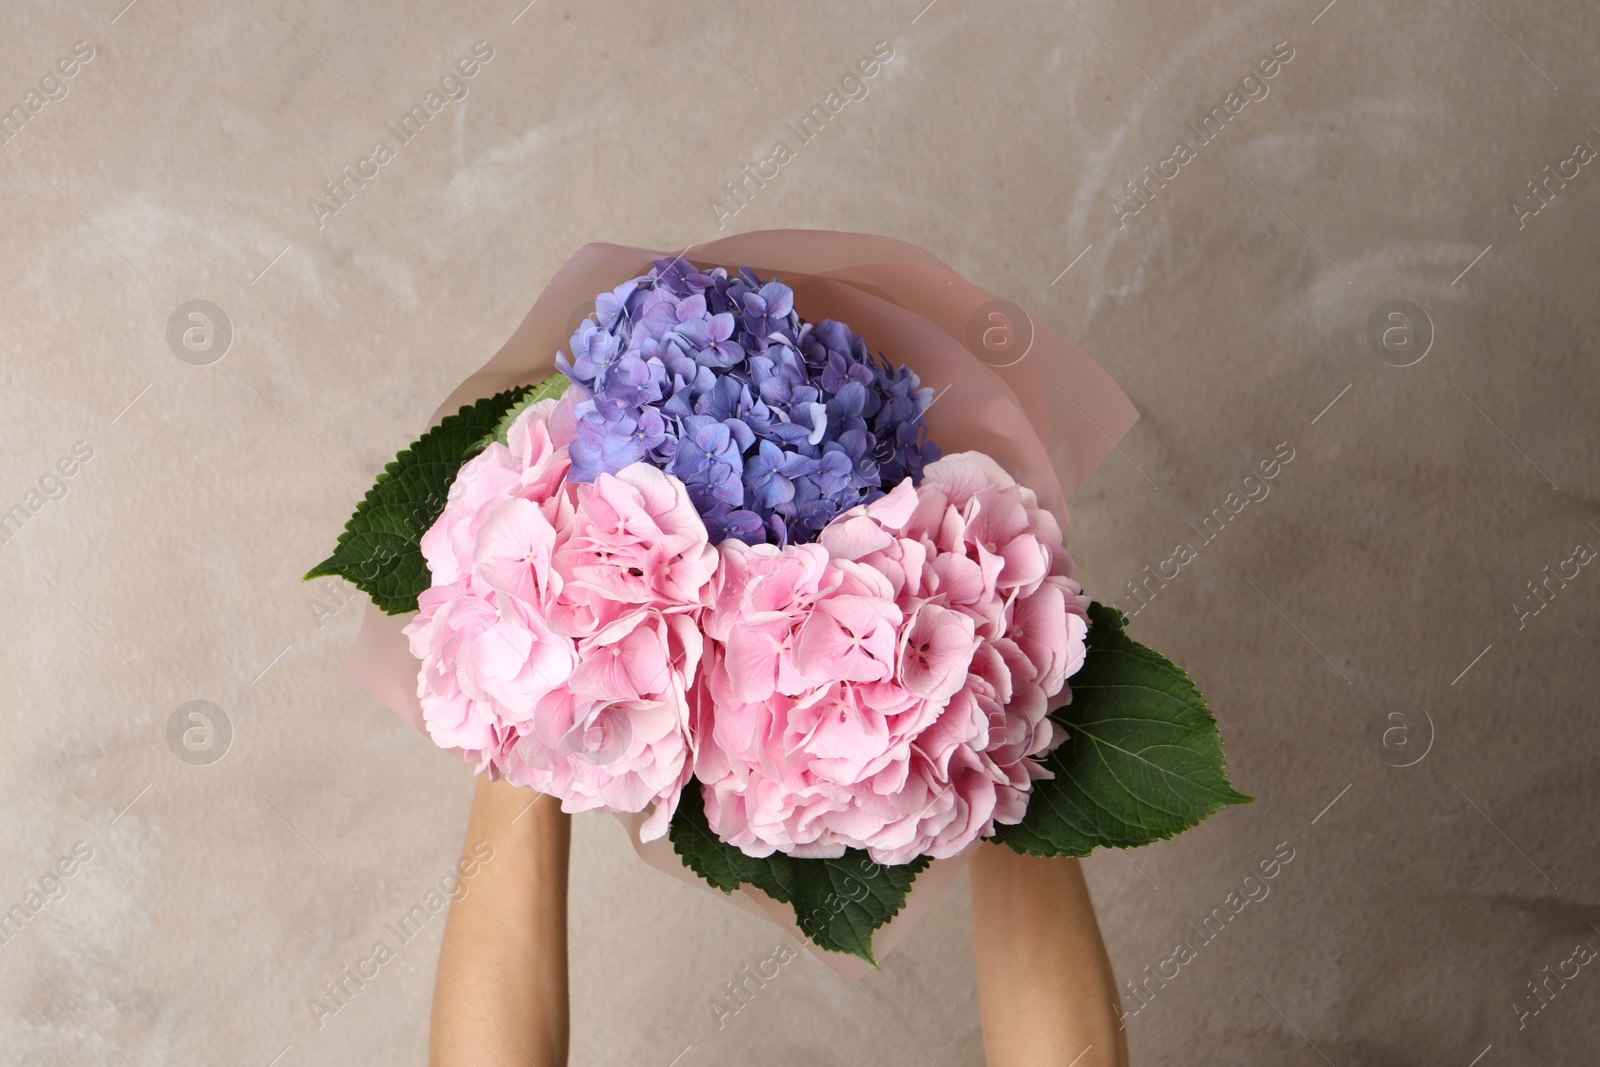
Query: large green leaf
{"type": "Point", "coordinates": [838, 903]}
{"type": "Point", "coordinates": [379, 551]}
{"type": "Point", "coordinates": [1142, 760]}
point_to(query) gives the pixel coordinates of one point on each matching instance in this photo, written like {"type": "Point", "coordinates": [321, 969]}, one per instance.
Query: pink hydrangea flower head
{"type": "Point", "coordinates": [543, 665]}
{"type": "Point", "coordinates": [900, 703]}
{"type": "Point", "coordinates": [487, 652]}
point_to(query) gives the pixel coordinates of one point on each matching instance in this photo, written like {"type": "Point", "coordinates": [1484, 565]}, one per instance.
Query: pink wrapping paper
{"type": "Point", "coordinates": [1008, 398]}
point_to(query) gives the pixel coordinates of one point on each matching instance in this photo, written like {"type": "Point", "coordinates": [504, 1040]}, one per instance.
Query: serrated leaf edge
{"type": "Point", "coordinates": [327, 567]}
{"type": "Point", "coordinates": [1113, 637]}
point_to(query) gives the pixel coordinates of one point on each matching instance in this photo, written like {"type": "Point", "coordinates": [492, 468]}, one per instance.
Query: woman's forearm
{"type": "Point", "coordinates": [1045, 987]}
{"type": "Point", "coordinates": [501, 992]}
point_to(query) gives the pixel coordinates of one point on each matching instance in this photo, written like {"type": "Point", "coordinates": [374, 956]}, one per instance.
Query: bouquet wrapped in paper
{"type": "Point", "coordinates": [763, 547]}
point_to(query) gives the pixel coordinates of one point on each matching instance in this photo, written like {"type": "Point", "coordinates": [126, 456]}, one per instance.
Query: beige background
{"type": "Point", "coordinates": [1385, 562]}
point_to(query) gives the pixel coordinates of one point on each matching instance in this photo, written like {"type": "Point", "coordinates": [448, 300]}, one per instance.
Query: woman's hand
{"type": "Point", "coordinates": [1045, 987]}
{"type": "Point", "coordinates": [501, 993]}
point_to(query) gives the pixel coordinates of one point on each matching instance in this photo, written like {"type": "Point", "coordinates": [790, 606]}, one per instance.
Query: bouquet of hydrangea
{"type": "Point", "coordinates": [716, 573]}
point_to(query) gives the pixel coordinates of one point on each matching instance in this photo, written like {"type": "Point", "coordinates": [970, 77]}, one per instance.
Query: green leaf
{"type": "Point", "coordinates": [1142, 760]}
{"type": "Point", "coordinates": [380, 550]}
{"type": "Point", "coordinates": [553, 386]}
{"type": "Point", "coordinates": [838, 903]}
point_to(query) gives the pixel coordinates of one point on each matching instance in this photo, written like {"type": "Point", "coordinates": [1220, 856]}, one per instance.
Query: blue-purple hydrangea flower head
{"type": "Point", "coordinates": [775, 424]}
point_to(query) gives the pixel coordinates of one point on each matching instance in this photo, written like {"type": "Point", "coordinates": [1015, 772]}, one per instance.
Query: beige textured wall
{"type": "Point", "coordinates": [1379, 578]}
